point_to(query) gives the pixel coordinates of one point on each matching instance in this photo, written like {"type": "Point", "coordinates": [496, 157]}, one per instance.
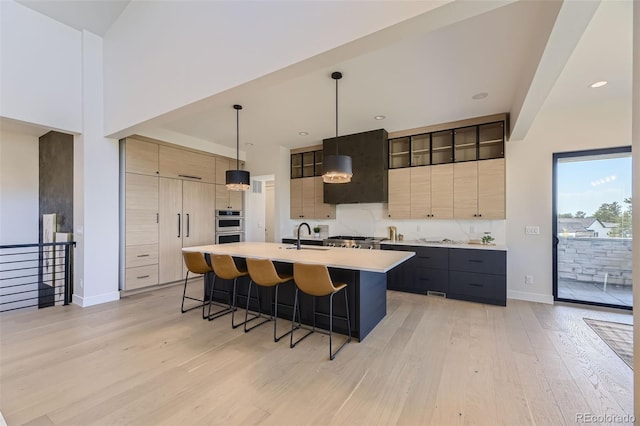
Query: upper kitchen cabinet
{"type": "Point", "coordinates": [424, 192]}
{"type": "Point", "coordinates": [479, 190]}
{"type": "Point", "coordinates": [307, 199]}
{"type": "Point", "coordinates": [228, 200]}
{"type": "Point", "coordinates": [183, 164]}
{"type": "Point", "coordinates": [140, 157]}
{"type": "Point", "coordinates": [399, 152]}
{"type": "Point", "coordinates": [306, 162]}
{"type": "Point", "coordinates": [369, 153]}
{"type": "Point", "coordinates": [491, 140]}
{"type": "Point", "coordinates": [465, 142]}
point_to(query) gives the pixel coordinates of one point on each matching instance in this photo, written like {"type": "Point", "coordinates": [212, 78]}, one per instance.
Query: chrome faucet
{"type": "Point", "coordinates": [300, 226]}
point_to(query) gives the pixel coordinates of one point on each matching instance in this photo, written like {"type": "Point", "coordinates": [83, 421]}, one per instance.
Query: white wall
{"type": "Point", "coordinates": [529, 184]}
{"type": "Point", "coordinates": [19, 208]}
{"type": "Point", "coordinates": [96, 200]}
{"type": "Point", "coordinates": [169, 54]}
{"type": "Point", "coordinates": [39, 69]}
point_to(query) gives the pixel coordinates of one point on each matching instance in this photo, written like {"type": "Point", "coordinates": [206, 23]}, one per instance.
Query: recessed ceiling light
{"type": "Point", "coordinates": [303, 133]}
{"type": "Point", "coordinates": [480, 95]}
{"type": "Point", "coordinates": [380, 117]}
{"type": "Point", "coordinates": [598, 84]}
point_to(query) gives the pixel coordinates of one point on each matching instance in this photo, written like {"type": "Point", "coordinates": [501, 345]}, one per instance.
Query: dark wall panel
{"type": "Point", "coordinates": [56, 179]}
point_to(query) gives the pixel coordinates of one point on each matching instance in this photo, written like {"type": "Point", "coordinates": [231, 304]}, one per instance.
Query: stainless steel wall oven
{"type": "Point", "coordinates": [229, 226]}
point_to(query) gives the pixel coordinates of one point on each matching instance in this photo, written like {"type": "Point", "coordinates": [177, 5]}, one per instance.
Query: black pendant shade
{"type": "Point", "coordinates": [336, 168]}
{"type": "Point", "coordinates": [237, 180]}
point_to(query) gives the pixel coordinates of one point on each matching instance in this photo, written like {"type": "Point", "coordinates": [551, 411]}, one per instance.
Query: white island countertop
{"type": "Point", "coordinates": [333, 257]}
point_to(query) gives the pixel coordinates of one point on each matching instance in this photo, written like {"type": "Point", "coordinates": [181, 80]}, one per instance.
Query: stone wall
{"type": "Point", "coordinates": [590, 259]}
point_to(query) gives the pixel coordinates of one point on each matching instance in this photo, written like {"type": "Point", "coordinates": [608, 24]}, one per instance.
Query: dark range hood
{"type": "Point", "coordinates": [369, 154]}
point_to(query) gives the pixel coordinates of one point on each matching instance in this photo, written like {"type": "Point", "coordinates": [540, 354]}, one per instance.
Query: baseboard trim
{"type": "Point", "coordinates": [530, 297]}
{"type": "Point", "coordinates": [96, 300]}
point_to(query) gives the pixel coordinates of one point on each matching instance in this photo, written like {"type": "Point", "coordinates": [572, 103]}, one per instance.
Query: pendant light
{"type": "Point", "coordinates": [237, 180]}
{"type": "Point", "coordinates": [337, 168]}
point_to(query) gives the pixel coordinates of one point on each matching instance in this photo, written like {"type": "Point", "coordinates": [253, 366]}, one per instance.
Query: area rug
{"type": "Point", "coordinates": [618, 336]}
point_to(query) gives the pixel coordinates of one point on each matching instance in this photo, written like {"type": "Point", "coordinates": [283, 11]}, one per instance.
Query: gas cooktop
{"type": "Point", "coordinates": [352, 241]}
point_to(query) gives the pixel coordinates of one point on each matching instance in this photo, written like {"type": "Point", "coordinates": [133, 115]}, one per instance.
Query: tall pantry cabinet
{"type": "Point", "coordinates": [169, 198]}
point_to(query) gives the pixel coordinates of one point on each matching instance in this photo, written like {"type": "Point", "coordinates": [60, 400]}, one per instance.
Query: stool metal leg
{"type": "Point", "coordinates": [246, 313]}
{"type": "Point", "coordinates": [332, 354]}
{"type": "Point", "coordinates": [211, 316]}
{"type": "Point", "coordinates": [277, 338]}
{"type": "Point", "coordinates": [293, 321]}
{"type": "Point", "coordinates": [233, 311]}
{"type": "Point", "coordinates": [202, 301]}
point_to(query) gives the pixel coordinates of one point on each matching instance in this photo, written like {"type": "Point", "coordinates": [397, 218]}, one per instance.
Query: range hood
{"type": "Point", "coordinates": [369, 155]}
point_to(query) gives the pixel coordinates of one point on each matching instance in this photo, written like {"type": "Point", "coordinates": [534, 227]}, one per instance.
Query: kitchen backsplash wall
{"type": "Point", "coordinates": [371, 220]}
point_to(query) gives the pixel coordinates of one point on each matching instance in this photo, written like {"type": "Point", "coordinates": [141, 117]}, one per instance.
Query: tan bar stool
{"type": "Point", "coordinates": [224, 268]}
{"type": "Point", "coordinates": [315, 281]}
{"type": "Point", "coordinates": [196, 264]}
{"type": "Point", "coordinates": [263, 273]}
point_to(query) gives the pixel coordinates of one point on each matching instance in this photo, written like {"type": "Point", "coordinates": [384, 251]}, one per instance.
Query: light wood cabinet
{"type": "Point", "coordinates": [424, 192]}
{"type": "Point", "coordinates": [479, 189]}
{"type": "Point", "coordinates": [321, 209]}
{"type": "Point", "coordinates": [182, 164]}
{"type": "Point", "coordinates": [399, 193]}
{"type": "Point", "coordinates": [141, 230]}
{"type": "Point", "coordinates": [141, 157]}
{"type": "Point", "coordinates": [442, 191]}
{"type": "Point", "coordinates": [187, 218]}
{"type": "Point", "coordinates": [491, 189]}
{"type": "Point", "coordinates": [225, 199]}
{"type": "Point", "coordinates": [307, 199]}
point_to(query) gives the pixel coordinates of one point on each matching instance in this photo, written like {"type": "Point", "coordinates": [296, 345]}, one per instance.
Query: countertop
{"type": "Point", "coordinates": [422, 243]}
{"type": "Point", "coordinates": [333, 257]}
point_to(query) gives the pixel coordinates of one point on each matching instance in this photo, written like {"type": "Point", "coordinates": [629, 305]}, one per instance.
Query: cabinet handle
{"type": "Point", "coordinates": [179, 225]}
{"type": "Point", "coordinates": [143, 255]}
{"type": "Point", "coordinates": [190, 177]}
{"type": "Point", "coordinates": [157, 217]}
{"type": "Point", "coordinates": [480, 215]}
{"type": "Point", "coordinates": [476, 261]}
{"type": "Point", "coordinates": [188, 222]}
{"type": "Point", "coordinates": [143, 276]}
{"type": "Point", "coordinates": [475, 215]}
{"type": "Point", "coordinates": [476, 285]}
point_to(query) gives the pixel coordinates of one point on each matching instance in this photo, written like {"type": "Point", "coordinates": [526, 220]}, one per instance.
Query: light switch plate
{"type": "Point", "coordinates": [532, 230]}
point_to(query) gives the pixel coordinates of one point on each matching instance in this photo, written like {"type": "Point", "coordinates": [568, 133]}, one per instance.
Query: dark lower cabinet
{"type": "Point", "coordinates": [476, 275]}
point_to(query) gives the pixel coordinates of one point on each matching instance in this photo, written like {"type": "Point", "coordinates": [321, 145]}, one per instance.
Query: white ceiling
{"type": "Point", "coordinates": [424, 78]}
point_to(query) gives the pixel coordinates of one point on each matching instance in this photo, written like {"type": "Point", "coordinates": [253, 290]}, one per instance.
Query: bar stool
{"type": "Point", "coordinates": [263, 273]}
{"type": "Point", "coordinates": [196, 264]}
{"type": "Point", "coordinates": [224, 268]}
{"type": "Point", "coordinates": [315, 281]}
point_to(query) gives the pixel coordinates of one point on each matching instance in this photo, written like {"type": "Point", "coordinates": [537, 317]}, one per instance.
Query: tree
{"type": "Point", "coordinates": [609, 212]}
{"type": "Point", "coordinates": [565, 215]}
{"type": "Point", "coordinates": [580, 214]}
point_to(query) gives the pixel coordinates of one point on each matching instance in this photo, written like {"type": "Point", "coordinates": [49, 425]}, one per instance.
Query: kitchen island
{"type": "Point", "coordinates": [364, 272]}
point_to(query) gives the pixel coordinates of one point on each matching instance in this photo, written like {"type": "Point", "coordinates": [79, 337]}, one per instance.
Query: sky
{"type": "Point", "coordinates": [586, 184]}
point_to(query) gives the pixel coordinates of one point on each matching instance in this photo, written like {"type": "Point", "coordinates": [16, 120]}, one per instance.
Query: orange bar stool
{"type": "Point", "coordinates": [196, 264]}
{"type": "Point", "coordinates": [315, 281]}
{"type": "Point", "coordinates": [224, 268]}
{"type": "Point", "coordinates": [263, 273]}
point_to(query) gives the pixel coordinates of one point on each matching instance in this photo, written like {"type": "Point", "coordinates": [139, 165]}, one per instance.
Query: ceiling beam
{"type": "Point", "coordinates": [572, 21]}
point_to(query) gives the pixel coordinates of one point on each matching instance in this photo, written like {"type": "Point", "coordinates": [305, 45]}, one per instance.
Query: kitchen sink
{"type": "Point", "coordinates": [307, 248]}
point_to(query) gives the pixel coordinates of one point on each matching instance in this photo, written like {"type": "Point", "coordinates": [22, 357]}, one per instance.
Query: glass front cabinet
{"type": "Point", "coordinates": [306, 164]}
{"type": "Point", "coordinates": [470, 143]}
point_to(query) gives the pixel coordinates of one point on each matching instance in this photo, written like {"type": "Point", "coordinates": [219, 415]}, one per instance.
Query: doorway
{"type": "Point", "coordinates": [592, 227]}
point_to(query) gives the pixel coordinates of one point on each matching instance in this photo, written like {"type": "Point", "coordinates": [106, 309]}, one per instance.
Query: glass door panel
{"type": "Point", "coordinates": [318, 161]}
{"type": "Point", "coordinates": [399, 152]}
{"type": "Point", "coordinates": [307, 164]}
{"type": "Point", "coordinates": [442, 147]}
{"type": "Point", "coordinates": [296, 166]}
{"type": "Point", "coordinates": [421, 150]}
{"type": "Point", "coordinates": [592, 227]}
{"type": "Point", "coordinates": [491, 141]}
{"type": "Point", "coordinates": [465, 142]}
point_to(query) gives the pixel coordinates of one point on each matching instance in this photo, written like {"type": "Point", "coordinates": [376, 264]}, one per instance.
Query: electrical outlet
{"type": "Point", "coordinates": [532, 230]}
{"type": "Point", "coordinates": [528, 279]}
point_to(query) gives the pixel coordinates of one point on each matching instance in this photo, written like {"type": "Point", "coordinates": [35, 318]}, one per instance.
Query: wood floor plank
{"type": "Point", "coordinates": [139, 361]}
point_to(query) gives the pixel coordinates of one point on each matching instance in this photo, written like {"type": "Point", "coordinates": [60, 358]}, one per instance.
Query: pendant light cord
{"type": "Point", "coordinates": [336, 115]}
{"type": "Point", "coordinates": [238, 139]}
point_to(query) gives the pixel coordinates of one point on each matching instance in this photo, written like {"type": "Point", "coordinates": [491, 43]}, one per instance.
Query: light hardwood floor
{"type": "Point", "coordinates": [139, 361]}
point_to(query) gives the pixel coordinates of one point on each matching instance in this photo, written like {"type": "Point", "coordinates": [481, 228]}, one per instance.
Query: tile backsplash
{"type": "Point", "coordinates": [371, 220]}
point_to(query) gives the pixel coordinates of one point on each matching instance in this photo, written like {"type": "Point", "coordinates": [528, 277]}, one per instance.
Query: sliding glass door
{"type": "Point", "coordinates": [592, 227]}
